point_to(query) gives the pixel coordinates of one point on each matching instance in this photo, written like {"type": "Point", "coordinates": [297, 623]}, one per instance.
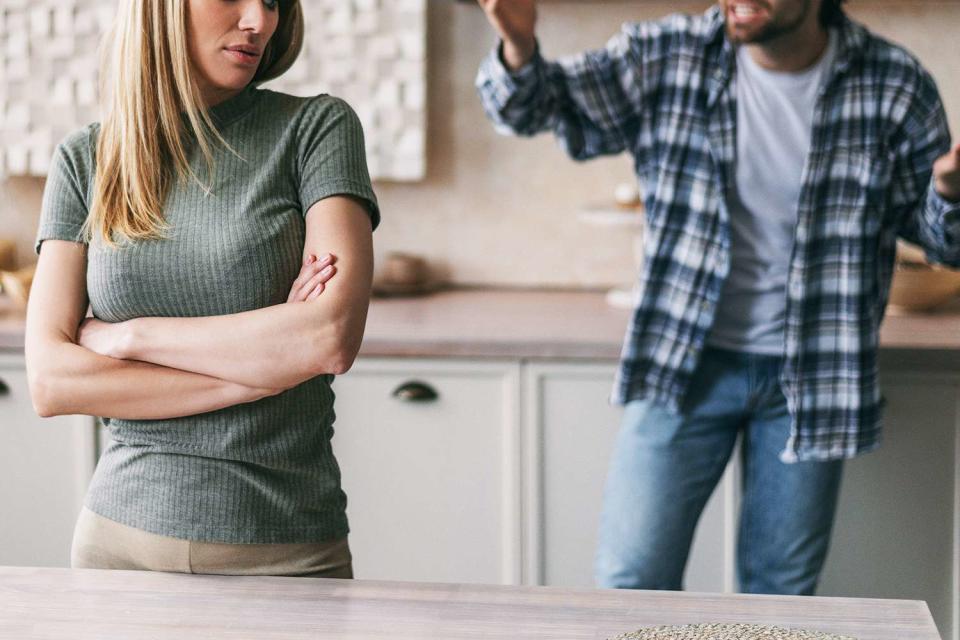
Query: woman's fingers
{"type": "Point", "coordinates": [316, 291]}
{"type": "Point", "coordinates": [311, 267]}
{"type": "Point", "coordinates": [319, 280]}
{"type": "Point", "coordinates": [310, 276]}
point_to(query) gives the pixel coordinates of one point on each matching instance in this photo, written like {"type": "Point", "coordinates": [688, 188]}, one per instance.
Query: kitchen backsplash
{"type": "Point", "coordinates": [496, 210]}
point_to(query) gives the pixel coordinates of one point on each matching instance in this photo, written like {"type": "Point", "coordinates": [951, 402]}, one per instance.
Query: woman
{"type": "Point", "coordinates": [183, 219]}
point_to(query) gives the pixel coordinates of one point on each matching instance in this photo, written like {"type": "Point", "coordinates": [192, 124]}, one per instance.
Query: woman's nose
{"type": "Point", "coordinates": [253, 16]}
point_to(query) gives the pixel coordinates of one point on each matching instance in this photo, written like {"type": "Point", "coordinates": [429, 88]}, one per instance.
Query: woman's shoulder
{"type": "Point", "coordinates": [81, 140]}
{"type": "Point", "coordinates": [322, 107]}
{"type": "Point", "coordinates": [77, 148]}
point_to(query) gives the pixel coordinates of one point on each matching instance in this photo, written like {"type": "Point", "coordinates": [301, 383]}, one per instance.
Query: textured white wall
{"type": "Point", "coordinates": [370, 52]}
{"type": "Point", "coordinates": [48, 76]}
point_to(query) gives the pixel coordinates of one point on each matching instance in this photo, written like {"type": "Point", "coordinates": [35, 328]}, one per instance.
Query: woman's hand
{"type": "Point", "coordinates": [313, 277]}
{"type": "Point", "coordinates": [106, 338]}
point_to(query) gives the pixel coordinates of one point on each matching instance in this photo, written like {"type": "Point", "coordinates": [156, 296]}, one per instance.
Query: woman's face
{"type": "Point", "coordinates": [226, 39]}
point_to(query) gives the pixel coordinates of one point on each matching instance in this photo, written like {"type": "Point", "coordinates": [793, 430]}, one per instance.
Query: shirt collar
{"type": "Point", "coordinates": [850, 45]}
{"type": "Point", "coordinates": [232, 108]}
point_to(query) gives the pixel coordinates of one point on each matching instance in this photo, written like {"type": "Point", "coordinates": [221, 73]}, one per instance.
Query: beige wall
{"type": "Point", "coordinates": [497, 210]}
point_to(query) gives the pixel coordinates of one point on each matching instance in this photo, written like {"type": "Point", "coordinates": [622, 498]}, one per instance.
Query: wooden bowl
{"type": "Point", "coordinates": [8, 254]}
{"type": "Point", "coordinates": [16, 284]}
{"type": "Point", "coordinates": [918, 287]}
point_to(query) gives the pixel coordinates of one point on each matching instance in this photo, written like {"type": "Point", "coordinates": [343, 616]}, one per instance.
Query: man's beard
{"type": "Point", "coordinates": [771, 31]}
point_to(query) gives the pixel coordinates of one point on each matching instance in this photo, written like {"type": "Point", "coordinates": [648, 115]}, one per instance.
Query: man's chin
{"type": "Point", "coordinates": [739, 35]}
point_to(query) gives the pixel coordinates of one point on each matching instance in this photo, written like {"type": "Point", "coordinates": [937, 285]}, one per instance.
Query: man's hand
{"type": "Point", "coordinates": [515, 21]}
{"type": "Point", "coordinates": [946, 174]}
{"type": "Point", "coordinates": [312, 279]}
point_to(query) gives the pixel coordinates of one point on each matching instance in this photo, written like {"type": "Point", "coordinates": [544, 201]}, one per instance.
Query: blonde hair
{"type": "Point", "coordinates": [154, 112]}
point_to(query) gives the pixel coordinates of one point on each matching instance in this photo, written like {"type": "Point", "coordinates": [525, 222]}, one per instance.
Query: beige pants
{"type": "Point", "coordinates": [100, 543]}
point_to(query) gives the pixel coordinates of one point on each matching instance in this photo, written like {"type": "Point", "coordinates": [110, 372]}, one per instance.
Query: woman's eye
{"type": "Point", "coordinates": [271, 4]}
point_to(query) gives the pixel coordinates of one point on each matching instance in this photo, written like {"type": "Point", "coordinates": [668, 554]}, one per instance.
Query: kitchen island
{"type": "Point", "coordinates": [85, 604]}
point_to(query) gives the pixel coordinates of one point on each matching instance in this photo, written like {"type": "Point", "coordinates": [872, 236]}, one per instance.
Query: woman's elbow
{"type": "Point", "coordinates": [46, 377]}
{"type": "Point", "coordinates": [339, 367]}
{"type": "Point", "coordinates": [335, 346]}
{"type": "Point", "coordinates": [339, 362]}
{"type": "Point", "coordinates": [327, 363]}
{"type": "Point", "coordinates": [337, 356]}
{"type": "Point", "coordinates": [42, 394]}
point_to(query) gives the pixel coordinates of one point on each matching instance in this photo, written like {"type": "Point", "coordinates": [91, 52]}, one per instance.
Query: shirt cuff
{"type": "Point", "coordinates": [939, 209]}
{"type": "Point", "coordinates": [500, 84]}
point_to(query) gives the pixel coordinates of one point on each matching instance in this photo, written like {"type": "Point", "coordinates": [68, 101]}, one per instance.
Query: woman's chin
{"type": "Point", "coordinates": [236, 83]}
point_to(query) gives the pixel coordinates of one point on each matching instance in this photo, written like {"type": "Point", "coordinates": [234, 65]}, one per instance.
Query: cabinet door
{"type": "Point", "coordinates": [571, 432]}
{"type": "Point", "coordinates": [897, 533]}
{"type": "Point", "coordinates": [45, 466]}
{"type": "Point", "coordinates": [431, 483]}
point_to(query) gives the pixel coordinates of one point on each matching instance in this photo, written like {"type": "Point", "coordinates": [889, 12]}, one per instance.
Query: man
{"type": "Point", "coordinates": [781, 148]}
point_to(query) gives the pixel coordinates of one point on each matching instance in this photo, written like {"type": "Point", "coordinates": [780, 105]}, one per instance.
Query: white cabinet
{"type": "Point", "coordinates": [432, 483]}
{"type": "Point", "coordinates": [45, 466]}
{"type": "Point", "coordinates": [897, 533]}
{"type": "Point", "coordinates": [570, 432]}
{"type": "Point", "coordinates": [499, 479]}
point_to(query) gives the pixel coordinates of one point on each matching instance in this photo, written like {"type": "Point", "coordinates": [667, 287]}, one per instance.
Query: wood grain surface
{"type": "Point", "coordinates": [88, 604]}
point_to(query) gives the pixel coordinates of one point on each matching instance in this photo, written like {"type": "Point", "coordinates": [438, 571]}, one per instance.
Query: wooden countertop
{"type": "Point", "coordinates": [533, 324]}
{"type": "Point", "coordinates": [85, 604]}
{"type": "Point", "coordinates": [492, 323]}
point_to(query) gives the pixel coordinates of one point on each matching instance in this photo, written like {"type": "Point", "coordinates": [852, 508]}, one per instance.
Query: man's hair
{"type": "Point", "coordinates": [831, 13]}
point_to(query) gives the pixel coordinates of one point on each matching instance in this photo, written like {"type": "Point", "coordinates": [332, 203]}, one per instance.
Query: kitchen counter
{"type": "Point", "coordinates": [533, 324]}
{"type": "Point", "coordinates": [496, 323]}
{"type": "Point", "coordinates": [85, 603]}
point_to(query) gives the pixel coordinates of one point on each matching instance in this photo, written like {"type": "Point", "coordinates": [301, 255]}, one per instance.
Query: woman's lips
{"type": "Point", "coordinates": [243, 56]}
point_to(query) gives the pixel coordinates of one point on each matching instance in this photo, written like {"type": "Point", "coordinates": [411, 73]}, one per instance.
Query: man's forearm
{"type": "Point", "coordinates": [86, 383]}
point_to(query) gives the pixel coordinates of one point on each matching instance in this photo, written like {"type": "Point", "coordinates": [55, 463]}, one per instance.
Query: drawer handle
{"type": "Point", "coordinates": [4, 389]}
{"type": "Point", "coordinates": [415, 391]}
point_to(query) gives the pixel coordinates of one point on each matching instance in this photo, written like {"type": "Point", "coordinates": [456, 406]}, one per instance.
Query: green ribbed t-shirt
{"type": "Point", "coordinates": [261, 472]}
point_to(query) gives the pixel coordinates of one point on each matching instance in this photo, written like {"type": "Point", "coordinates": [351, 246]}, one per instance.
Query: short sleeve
{"type": "Point", "coordinates": [331, 155]}
{"type": "Point", "coordinates": [66, 193]}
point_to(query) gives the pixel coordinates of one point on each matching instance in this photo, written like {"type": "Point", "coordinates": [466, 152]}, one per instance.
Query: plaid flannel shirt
{"type": "Point", "coordinates": [664, 91]}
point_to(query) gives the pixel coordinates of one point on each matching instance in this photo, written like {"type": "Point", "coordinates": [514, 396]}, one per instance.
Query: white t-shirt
{"type": "Point", "coordinates": [774, 124]}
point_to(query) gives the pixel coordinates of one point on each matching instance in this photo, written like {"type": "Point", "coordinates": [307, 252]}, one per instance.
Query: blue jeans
{"type": "Point", "coordinates": [665, 466]}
